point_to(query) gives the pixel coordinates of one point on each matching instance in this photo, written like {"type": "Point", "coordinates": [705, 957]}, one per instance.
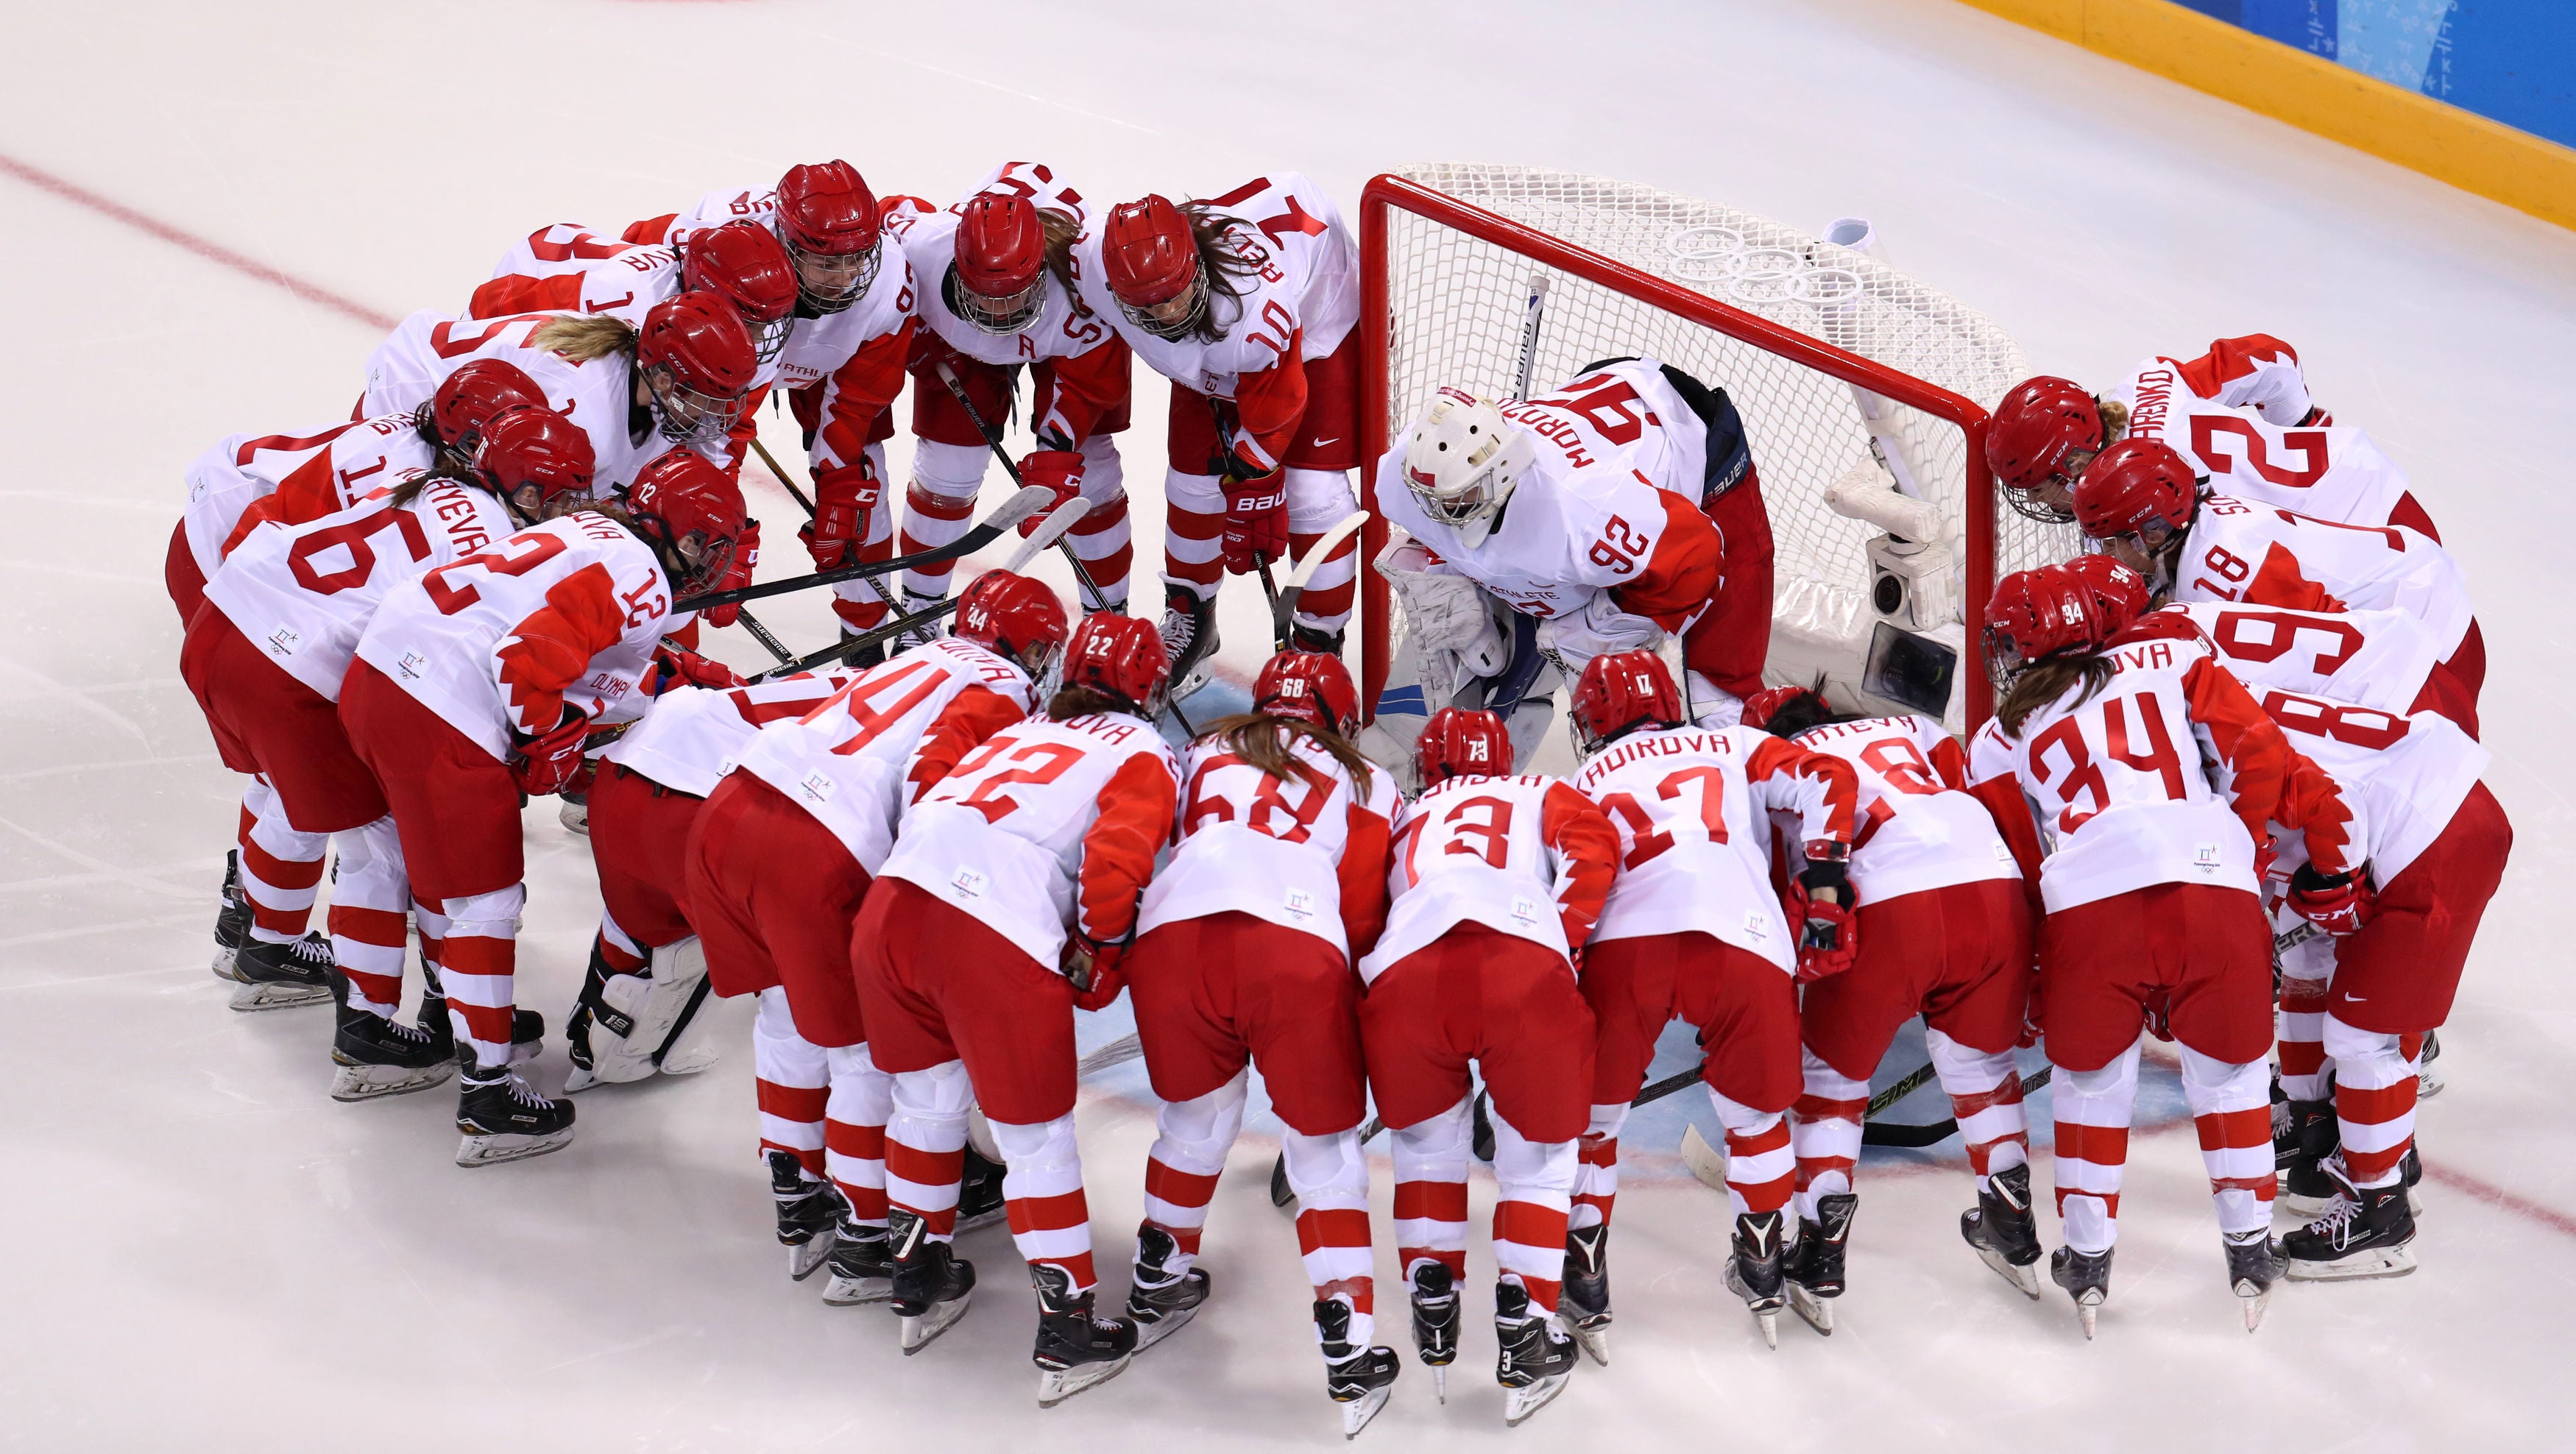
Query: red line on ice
{"type": "Point", "coordinates": [177, 237]}
{"type": "Point", "coordinates": [2489, 1192]}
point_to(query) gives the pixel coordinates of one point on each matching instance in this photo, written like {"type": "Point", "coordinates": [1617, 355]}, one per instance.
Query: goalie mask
{"type": "Point", "coordinates": [1462, 461]}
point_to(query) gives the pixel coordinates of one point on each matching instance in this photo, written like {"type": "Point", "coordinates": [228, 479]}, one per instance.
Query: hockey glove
{"type": "Point", "coordinates": [1256, 521]}
{"type": "Point", "coordinates": [1820, 906]}
{"type": "Point", "coordinates": [1059, 470]}
{"type": "Point", "coordinates": [844, 499]}
{"type": "Point", "coordinates": [674, 667]}
{"type": "Point", "coordinates": [746, 554]}
{"type": "Point", "coordinates": [1094, 971]}
{"type": "Point", "coordinates": [548, 761]}
{"type": "Point", "coordinates": [2338, 904]}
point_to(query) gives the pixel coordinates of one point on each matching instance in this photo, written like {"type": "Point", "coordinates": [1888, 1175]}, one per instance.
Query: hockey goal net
{"type": "Point", "coordinates": [1851, 378]}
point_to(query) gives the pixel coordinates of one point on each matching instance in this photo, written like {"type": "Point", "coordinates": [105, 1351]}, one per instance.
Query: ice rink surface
{"type": "Point", "coordinates": [209, 214]}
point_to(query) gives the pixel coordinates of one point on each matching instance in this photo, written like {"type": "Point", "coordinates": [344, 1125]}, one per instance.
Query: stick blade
{"type": "Point", "coordinates": [1705, 1161]}
{"type": "Point", "coordinates": [1058, 521]}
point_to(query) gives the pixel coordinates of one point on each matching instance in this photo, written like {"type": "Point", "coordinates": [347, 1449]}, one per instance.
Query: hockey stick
{"type": "Point", "coordinates": [1283, 603]}
{"type": "Point", "coordinates": [1008, 514]}
{"type": "Point", "coordinates": [993, 441]}
{"type": "Point", "coordinates": [1708, 1164]}
{"type": "Point", "coordinates": [1533, 314]}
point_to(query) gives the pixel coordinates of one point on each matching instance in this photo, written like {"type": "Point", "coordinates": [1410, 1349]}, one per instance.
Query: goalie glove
{"type": "Point", "coordinates": [546, 762]}
{"type": "Point", "coordinates": [1820, 907]}
{"type": "Point", "coordinates": [2337, 903]}
{"type": "Point", "coordinates": [1599, 629]}
{"type": "Point", "coordinates": [1446, 618]}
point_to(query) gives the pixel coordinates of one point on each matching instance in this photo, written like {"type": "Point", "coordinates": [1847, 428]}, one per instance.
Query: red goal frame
{"type": "Point", "coordinates": [1386, 192]}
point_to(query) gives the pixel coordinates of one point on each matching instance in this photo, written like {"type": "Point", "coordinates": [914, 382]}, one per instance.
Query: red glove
{"type": "Point", "coordinates": [1093, 969]}
{"type": "Point", "coordinates": [1059, 470]}
{"type": "Point", "coordinates": [550, 760]}
{"type": "Point", "coordinates": [844, 499]}
{"type": "Point", "coordinates": [2339, 905]}
{"type": "Point", "coordinates": [1828, 936]}
{"type": "Point", "coordinates": [1256, 520]}
{"type": "Point", "coordinates": [746, 554]}
{"type": "Point", "coordinates": [676, 667]}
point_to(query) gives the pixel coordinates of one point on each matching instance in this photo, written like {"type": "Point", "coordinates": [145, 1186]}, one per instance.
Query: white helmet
{"type": "Point", "coordinates": [1463, 459]}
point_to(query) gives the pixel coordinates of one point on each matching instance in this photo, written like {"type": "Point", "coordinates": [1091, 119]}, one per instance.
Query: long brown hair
{"type": "Point", "coordinates": [1263, 740]}
{"type": "Point", "coordinates": [1225, 268]}
{"type": "Point", "coordinates": [446, 469]}
{"type": "Point", "coordinates": [1060, 229]}
{"type": "Point", "coordinates": [1077, 701]}
{"type": "Point", "coordinates": [2043, 682]}
{"type": "Point", "coordinates": [582, 337]}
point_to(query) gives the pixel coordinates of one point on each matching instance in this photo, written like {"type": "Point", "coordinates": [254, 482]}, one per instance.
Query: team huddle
{"type": "Point", "coordinates": [2241, 738]}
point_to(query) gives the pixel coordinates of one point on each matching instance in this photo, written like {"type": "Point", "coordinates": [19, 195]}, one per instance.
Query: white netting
{"type": "Point", "coordinates": [1457, 305]}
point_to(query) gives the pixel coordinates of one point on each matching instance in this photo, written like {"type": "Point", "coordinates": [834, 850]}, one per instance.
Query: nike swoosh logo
{"type": "Point", "coordinates": [1320, 443]}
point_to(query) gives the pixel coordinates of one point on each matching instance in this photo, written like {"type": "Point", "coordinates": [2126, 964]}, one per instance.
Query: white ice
{"type": "Point", "coordinates": [203, 1250]}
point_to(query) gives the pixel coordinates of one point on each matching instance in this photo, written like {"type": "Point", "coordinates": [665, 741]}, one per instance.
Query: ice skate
{"type": "Point", "coordinates": [1753, 1273]}
{"type": "Point", "coordinates": [376, 1057]}
{"type": "Point", "coordinates": [232, 921]}
{"type": "Point", "coordinates": [1189, 635]}
{"type": "Point", "coordinates": [2003, 1230]}
{"type": "Point", "coordinates": [2253, 1265]}
{"type": "Point", "coordinates": [914, 603]}
{"type": "Point", "coordinates": [1435, 1323]}
{"type": "Point", "coordinates": [979, 1193]}
{"type": "Point", "coordinates": [1815, 1266]}
{"type": "Point", "coordinates": [862, 1267]}
{"type": "Point", "coordinates": [2363, 1232]}
{"type": "Point", "coordinates": [1160, 1302]}
{"type": "Point", "coordinates": [809, 1209]}
{"type": "Point", "coordinates": [1076, 1348]}
{"type": "Point", "coordinates": [2086, 1276]}
{"type": "Point", "coordinates": [626, 1021]}
{"type": "Point", "coordinates": [1357, 1378]}
{"type": "Point", "coordinates": [503, 1118]}
{"type": "Point", "coordinates": [931, 1284]}
{"type": "Point", "coordinates": [1537, 1356]}
{"type": "Point", "coordinates": [574, 814]}
{"type": "Point", "coordinates": [1585, 1302]}
{"type": "Point", "coordinates": [2314, 1135]}
{"type": "Point", "coordinates": [278, 976]}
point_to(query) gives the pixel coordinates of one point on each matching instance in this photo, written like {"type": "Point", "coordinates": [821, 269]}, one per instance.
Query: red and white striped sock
{"type": "Point", "coordinates": [281, 866]}
{"type": "Point", "coordinates": [370, 898]}
{"type": "Point", "coordinates": [854, 1138]}
{"type": "Point", "coordinates": [1984, 1087]}
{"type": "Point", "coordinates": [1596, 1182]}
{"type": "Point", "coordinates": [1193, 527]}
{"type": "Point", "coordinates": [1537, 1182]}
{"type": "Point", "coordinates": [1431, 1191]}
{"type": "Point", "coordinates": [2231, 1108]}
{"type": "Point", "coordinates": [925, 1145]}
{"type": "Point", "coordinates": [1105, 544]}
{"type": "Point", "coordinates": [793, 1079]}
{"type": "Point", "coordinates": [933, 516]}
{"type": "Point", "coordinates": [1824, 1131]}
{"type": "Point", "coordinates": [1042, 1192]}
{"type": "Point", "coordinates": [1181, 1170]}
{"type": "Point", "coordinates": [1330, 1176]}
{"type": "Point", "coordinates": [478, 964]}
{"type": "Point", "coordinates": [2374, 1093]}
{"type": "Point", "coordinates": [1760, 1166]}
{"type": "Point", "coordinates": [1317, 501]}
{"type": "Point", "coordinates": [2092, 1131]}
{"type": "Point", "coordinates": [2301, 1037]}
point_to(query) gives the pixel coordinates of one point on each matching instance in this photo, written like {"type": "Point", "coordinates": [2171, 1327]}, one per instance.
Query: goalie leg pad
{"type": "Point", "coordinates": [633, 1017]}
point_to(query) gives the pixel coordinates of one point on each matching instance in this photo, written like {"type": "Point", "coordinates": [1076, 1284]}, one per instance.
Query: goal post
{"type": "Point", "coordinates": [1852, 380]}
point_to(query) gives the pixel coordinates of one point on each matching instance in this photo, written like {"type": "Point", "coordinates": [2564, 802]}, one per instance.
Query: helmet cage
{"type": "Point", "coordinates": [825, 297]}
{"type": "Point", "coordinates": [1001, 315]}
{"type": "Point", "coordinates": [687, 415]}
{"type": "Point", "coordinates": [1162, 320]}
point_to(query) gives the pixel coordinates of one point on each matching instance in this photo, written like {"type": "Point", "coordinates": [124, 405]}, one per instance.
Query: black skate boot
{"type": "Point", "coordinates": [1585, 1302]}
{"type": "Point", "coordinates": [2253, 1265]}
{"type": "Point", "coordinates": [2003, 1230]}
{"type": "Point", "coordinates": [809, 1213]}
{"type": "Point", "coordinates": [1307, 638]}
{"type": "Point", "coordinates": [2364, 1232]}
{"type": "Point", "coordinates": [862, 1266]}
{"type": "Point", "coordinates": [1537, 1355]}
{"type": "Point", "coordinates": [377, 1057]}
{"type": "Point", "coordinates": [1189, 635]}
{"type": "Point", "coordinates": [1435, 1322]}
{"type": "Point", "coordinates": [1815, 1267]}
{"type": "Point", "coordinates": [928, 631]}
{"type": "Point", "coordinates": [232, 921]}
{"type": "Point", "coordinates": [1076, 1348]}
{"type": "Point", "coordinates": [2315, 1135]}
{"type": "Point", "coordinates": [1356, 1377]}
{"type": "Point", "coordinates": [979, 1193]}
{"type": "Point", "coordinates": [931, 1284]}
{"type": "Point", "coordinates": [866, 658]}
{"type": "Point", "coordinates": [276, 976]}
{"type": "Point", "coordinates": [2410, 1170]}
{"type": "Point", "coordinates": [2086, 1276]}
{"type": "Point", "coordinates": [503, 1118]}
{"type": "Point", "coordinates": [1754, 1272]}
{"type": "Point", "coordinates": [1160, 1301]}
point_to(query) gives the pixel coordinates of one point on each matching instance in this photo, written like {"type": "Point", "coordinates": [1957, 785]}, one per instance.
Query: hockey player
{"type": "Point", "coordinates": [568, 268]}
{"type": "Point", "coordinates": [1008, 902]}
{"type": "Point", "coordinates": [2153, 774]}
{"type": "Point", "coordinates": [2241, 411]}
{"type": "Point", "coordinates": [481, 680]}
{"type": "Point", "coordinates": [1249, 303]}
{"type": "Point", "coordinates": [778, 863]}
{"type": "Point", "coordinates": [822, 212]}
{"type": "Point", "coordinates": [1496, 882]}
{"type": "Point", "coordinates": [995, 290]}
{"type": "Point", "coordinates": [1693, 929]}
{"type": "Point", "coordinates": [265, 658]}
{"type": "Point", "coordinates": [1945, 932]}
{"type": "Point", "coordinates": [1587, 510]}
{"type": "Point", "coordinates": [1244, 944]}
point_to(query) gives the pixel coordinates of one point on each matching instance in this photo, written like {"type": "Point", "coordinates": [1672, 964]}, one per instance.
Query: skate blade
{"type": "Point", "coordinates": [1357, 1413]}
{"type": "Point", "coordinates": [2301, 1210]}
{"type": "Point", "coordinates": [1149, 1334]}
{"type": "Point", "coordinates": [805, 1258]}
{"type": "Point", "coordinates": [1768, 1320]}
{"type": "Point", "coordinates": [375, 1082]}
{"type": "Point", "coordinates": [482, 1150]}
{"type": "Point", "coordinates": [689, 1062]}
{"type": "Point", "coordinates": [252, 997]}
{"type": "Point", "coordinates": [2255, 1300]}
{"type": "Point", "coordinates": [1520, 1403]}
{"type": "Point", "coordinates": [917, 1332]}
{"type": "Point", "coordinates": [980, 1219]}
{"type": "Point", "coordinates": [1595, 1342]}
{"type": "Point", "coordinates": [1055, 1385]}
{"type": "Point", "coordinates": [2026, 1279]}
{"type": "Point", "coordinates": [851, 1292]}
{"type": "Point", "coordinates": [1818, 1312]}
{"type": "Point", "coordinates": [1765, 1310]}
{"type": "Point", "coordinates": [2392, 1262]}
{"type": "Point", "coordinates": [2087, 1311]}
{"type": "Point", "coordinates": [224, 965]}
{"type": "Point", "coordinates": [1439, 1382]}
{"type": "Point", "coordinates": [1194, 683]}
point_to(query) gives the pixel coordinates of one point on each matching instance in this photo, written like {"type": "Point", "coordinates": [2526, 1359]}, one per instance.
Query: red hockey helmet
{"type": "Point", "coordinates": [1620, 691]}
{"type": "Point", "coordinates": [1013, 616]}
{"type": "Point", "coordinates": [1149, 257]}
{"type": "Point", "coordinates": [2043, 432]}
{"type": "Point", "coordinates": [1462, 743]}
{"type": "Point", "coordinates": [698, 361]}
{"type": "Point", "coordinates": [532, 457]}
{"type": "Point", "coordinates": [2119, 594]}
{"type": "Point", "coordinates": [1309, 686]}
{"type": "Point", "coordinates": [2138, 490]}
{"type": "Point", "coordinates": [1769, 702]}
{"type": "Point", "coordinates": [2037, 614]}
{"type": "Point", "coordinates": [690, 513]}
{"type": "Point", "coordinates": [833, 230]}
{"type": "Point", "coordinates": [745, 264]}
{"type": "Point", "coordinates": [1001, 262]}
{"type": "Point", "coordinates": [1121, 656]}
{"type": "Point", "coordinates": [468, 398]}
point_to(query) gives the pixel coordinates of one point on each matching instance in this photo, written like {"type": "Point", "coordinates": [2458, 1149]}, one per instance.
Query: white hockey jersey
{"type": "Point", "coordinates": [311, 475]}
{"type": "Point", "coordinates": [566, 267]}
{"type": "Point", "coordinates": [305, 593]}
{"type": "Point", "coordinates": [2333, 472]}
{"type": "Point", "coordinates": [597, 396]}
{"type": "Point", "coordinates": [2261, 555]}
{"type": "Point", "coordinates": [1299, 855]}
{"type": "Point", "coordinates": [847, 760]}
{"type": "Point", "coordinates": [2371, 658]}
{"type": "Point", "coordinates": [1525, 856]}
{"type": "Point", "coordinates": [2410, 774]}
{"type": "Point", "coordinates": [561, 615]}
{"type": "Point", "coordinates": [1918, 827]}
{"type": "Point", "coordinates": [692, 736]}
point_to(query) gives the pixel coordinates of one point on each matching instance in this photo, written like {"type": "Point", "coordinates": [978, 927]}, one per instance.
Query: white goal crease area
{"type": "Point", "coordinates": [1844, 370]}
